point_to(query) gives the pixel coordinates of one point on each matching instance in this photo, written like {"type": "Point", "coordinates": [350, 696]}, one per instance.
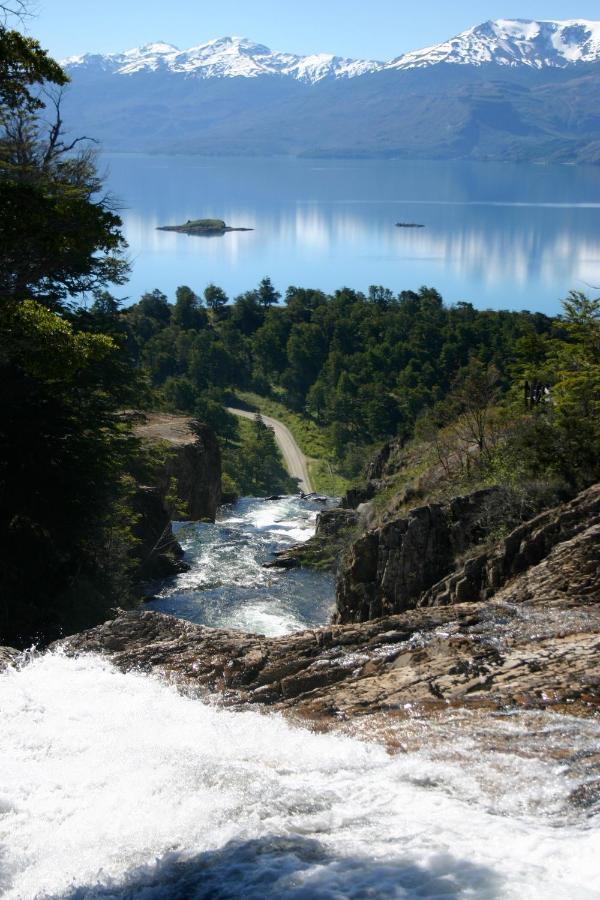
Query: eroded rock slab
{"type": "Point", "coordinates": [495, 655]}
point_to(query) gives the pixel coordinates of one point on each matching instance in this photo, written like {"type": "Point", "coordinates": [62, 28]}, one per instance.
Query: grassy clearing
{"type": "Point", "coordinates": [311, 439]}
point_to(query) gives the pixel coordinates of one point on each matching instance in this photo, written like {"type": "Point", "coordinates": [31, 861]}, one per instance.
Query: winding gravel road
{"type": "Point", "coordinates": [295, 461]}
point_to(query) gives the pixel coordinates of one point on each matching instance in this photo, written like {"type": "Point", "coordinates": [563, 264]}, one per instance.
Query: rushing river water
{"type": "Point", "coordinates": [227, 586]}
{"type": "Point", "coordinates": [118, 786]}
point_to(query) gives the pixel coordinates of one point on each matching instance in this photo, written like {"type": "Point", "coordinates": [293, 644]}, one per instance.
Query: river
{"type": "Point", "coordinates": [118, 786]}
{"type": "Point", "coordinates": [227, 586]}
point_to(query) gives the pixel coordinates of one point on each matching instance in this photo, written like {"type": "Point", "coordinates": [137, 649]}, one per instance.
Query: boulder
{"type": "Point", "coordinates": [8, 657]}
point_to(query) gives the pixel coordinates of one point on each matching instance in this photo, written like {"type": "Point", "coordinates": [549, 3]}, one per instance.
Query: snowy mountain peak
{"type": "Point", "coordinates": [505, 42]}
{"type": "Point", "coordinates": [513, 42]}
{"type": "Point", "coordinates": [226, 57]}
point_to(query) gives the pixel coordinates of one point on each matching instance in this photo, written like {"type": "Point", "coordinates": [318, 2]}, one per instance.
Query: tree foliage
{"type": "Point", "coordinates": [63, 528]}
{"type": "Point", "coordinates": [24, 66]}
{"type": "Point", "coordinates": [59, 234]}
{"type": "Point", "coordinates": [65, 493]}
{"type": "Point", "coordinates": [363, 367]}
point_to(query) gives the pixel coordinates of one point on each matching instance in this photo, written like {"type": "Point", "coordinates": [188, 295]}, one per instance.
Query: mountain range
{"type": "Point", "coordinates": [504, 90]}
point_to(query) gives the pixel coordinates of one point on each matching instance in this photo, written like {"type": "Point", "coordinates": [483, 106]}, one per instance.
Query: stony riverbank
{"type": "Point", "coordinates": [526, 639]}
{"type": "Point", "coordinates": [533, 644]}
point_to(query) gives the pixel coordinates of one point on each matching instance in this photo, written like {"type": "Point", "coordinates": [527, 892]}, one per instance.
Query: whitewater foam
{"type": "Point", "coordinates": [115, 785]}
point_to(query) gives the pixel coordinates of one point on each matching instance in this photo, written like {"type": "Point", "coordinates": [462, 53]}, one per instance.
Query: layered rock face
{"type": "Point", "coordinates": [196, 467]}
{"type": "Point", "coordinates": [193, 460]}
{"type": "Point", "coordinates": [574, 525]}
{"type": "Point", "coordinates": [389, 568]}
{"type": "Point", "coordinates": [412, 561]}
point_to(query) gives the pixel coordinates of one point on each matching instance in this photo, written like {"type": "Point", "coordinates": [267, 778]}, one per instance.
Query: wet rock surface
{"type": "Point", "coordinates": [535, 645]}
{"type": "Point", "coordinates": [8, 657]}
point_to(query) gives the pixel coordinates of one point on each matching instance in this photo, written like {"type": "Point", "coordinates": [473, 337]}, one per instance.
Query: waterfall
{"type": "Point", "coordinates": [117, 785]}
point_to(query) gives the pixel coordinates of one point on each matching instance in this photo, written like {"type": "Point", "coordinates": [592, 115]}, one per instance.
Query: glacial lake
{"type": "Point", "coordinates": [501, 236]}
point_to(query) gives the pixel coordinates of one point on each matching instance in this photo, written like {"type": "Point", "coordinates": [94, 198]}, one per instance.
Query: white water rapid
{"type": "Point", "coordinates": [227, 586]}
{"type": "Point", "coordinates": [118, 786]}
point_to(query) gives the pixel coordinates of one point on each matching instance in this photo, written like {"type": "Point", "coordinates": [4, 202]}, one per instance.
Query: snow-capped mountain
{"type": "Point", "coordinates": [227, 57]}
{"type": "Point", "coordinates": [505, 90]}
{"type": "Point", "coordinates": [505, 42]}
{"type": "Point", "coordinates": [513, 42]}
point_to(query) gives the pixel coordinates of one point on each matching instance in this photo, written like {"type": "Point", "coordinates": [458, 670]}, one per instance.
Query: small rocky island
{"type": "Point", "coordinates": [202, 227]}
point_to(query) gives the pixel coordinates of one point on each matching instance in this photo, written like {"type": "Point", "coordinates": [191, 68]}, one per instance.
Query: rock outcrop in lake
{"type": "Point", "coordinates": [201, 227]}
{"type": "Point", "coordinates": [534, 644]}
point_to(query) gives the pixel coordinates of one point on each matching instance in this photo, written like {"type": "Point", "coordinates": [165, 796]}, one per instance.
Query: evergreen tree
{"type": "Point", "coordinates": [267, 295]}
{"type": "Point", "coordinates": [187, 312]}
{"type": "Point", "coordinates": [65, 515]}
{"type": "Point", "coordinates": [215, 298]}
{"type": "Point", "coordinates": [58, 233]}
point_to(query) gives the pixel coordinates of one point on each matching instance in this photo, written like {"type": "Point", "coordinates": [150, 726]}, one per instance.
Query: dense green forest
{"type": "Point", "coordinates": [367, 367]}
{"type": "Point", "coordinates": [355, 368]}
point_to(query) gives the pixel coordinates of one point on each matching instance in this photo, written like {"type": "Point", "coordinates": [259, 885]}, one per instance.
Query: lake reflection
{"type": "Point", "coordinates": [497, 235]}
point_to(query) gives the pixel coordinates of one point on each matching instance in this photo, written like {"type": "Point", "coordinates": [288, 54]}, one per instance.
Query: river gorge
{"type": "Point", "coordinates": [122, 781]}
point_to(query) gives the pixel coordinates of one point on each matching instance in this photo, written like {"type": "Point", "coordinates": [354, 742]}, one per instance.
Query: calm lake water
{"type": "Point", "coordinates": [497, 235]}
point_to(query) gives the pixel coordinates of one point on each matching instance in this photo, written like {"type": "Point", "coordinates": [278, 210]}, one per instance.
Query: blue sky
{"type": "Point", "coordinates": [379, 29]}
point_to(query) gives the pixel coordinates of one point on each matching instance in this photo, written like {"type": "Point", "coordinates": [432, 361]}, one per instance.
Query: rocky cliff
{"type": "Point", "coordinates": [388, 568]}
{"type": "Point", "coordinates": [417, 560]}
{"type": "Point", "coordinates": [190, 467]}
{"type": "Point", "coordinates": [535, 644]}
{"type": "Point", "coordinates": [191, 457]}
{"type": "Point", "coordinates": [157, 553]}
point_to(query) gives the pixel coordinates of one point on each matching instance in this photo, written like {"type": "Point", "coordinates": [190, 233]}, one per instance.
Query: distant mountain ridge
{"type": "Point", "coordinates": [514, 42]}
{"type": "Point", "coordinates": [226, 57]}
{"type": "Point", "coordinates": [512, 89]}
{"type": "Point", "coordinates": [505, 42]}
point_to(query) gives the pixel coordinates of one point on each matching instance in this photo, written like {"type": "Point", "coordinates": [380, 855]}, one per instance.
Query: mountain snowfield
{"type": "Point", "coordinates": [505, 42]}
{"type": "Point", "coordinates": [513, 42]}
{"type": "Point", "coordinates": [510, 90]}
{"type": "Point", "coordinates": [227, 57]}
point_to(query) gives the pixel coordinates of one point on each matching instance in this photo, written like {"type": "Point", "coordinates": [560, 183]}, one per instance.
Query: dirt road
{"type": "Point", "coordinates": [295, 460]}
